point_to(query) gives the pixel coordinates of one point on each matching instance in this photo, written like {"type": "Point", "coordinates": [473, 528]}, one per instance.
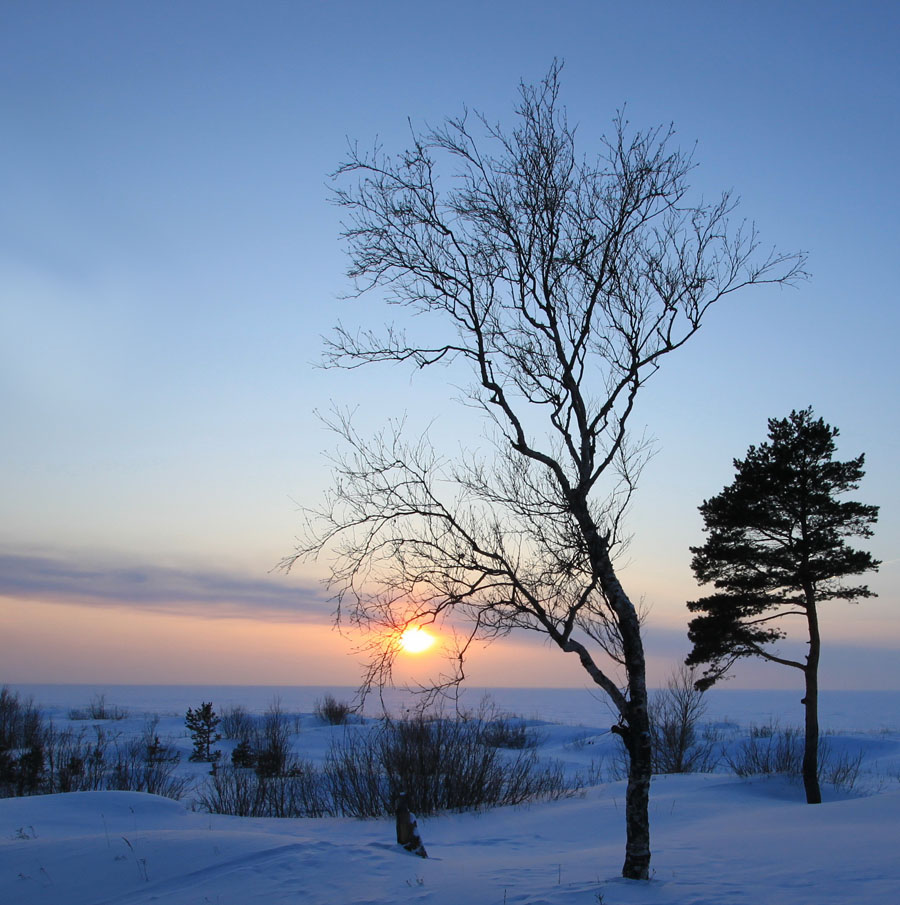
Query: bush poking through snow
{"type": "Point", "coordinates": [21, 724]}
{"type": "Point", "coordinates": [502, 730]}
{"type": "Point", "coordinates": [249, 793]}
{"type": "Point", "coordinates": [442, 765]}
{"type": "Point", "coordinates": [97, 710]}
{"type": "Point", "coordinates": [332, 711]}
{"type": "Point", "coordinates": [264, 744]}
{"type": "Point", "coordinates": [243, 756]}
{"type": "Point", "coordinates": [45, 760]}
{"type": "Point", "coordinates": [273, 743]}
{"type": "Point", "coordinates": [772, 751]}
{"type": "Point", "coordinates": [509, 732]}
{"type": "Point", "coordinates": [146, 764]}
{"type": "Point", "coordinates": [767, 751]}
{"type": "Point", "coordinates": [238, 723]}
{"type": "Point", "coordinates": [679, 743]}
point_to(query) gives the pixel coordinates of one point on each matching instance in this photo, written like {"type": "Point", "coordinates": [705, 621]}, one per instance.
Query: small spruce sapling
{"type": "Point", "coordinates": [243, 754]}
{"type": "Point", "coordinates": [201, 724]}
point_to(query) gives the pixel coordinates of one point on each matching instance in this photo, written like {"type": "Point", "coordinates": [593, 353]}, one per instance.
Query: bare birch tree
{"type": "Point", "coordinates": [560, 283]}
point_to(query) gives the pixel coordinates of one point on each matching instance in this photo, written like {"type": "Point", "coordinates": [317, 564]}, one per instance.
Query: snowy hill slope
{"type": "Point", "coordinates": [717, 840]}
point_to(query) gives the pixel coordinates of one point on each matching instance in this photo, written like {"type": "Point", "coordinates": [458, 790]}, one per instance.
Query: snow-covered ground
{"type": "Point", "coordinates": [716, 839]}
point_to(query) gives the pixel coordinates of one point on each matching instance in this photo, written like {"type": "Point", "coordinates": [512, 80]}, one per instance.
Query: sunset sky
{"type": "Point", "coordinates": [169, 261]}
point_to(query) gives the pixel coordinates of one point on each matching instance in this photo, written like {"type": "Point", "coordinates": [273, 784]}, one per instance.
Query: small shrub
{"type": "Point", "coordinates": [354, 777]}
{"type": "Point", "coordinates": [231, 791]}
{"type": "Point", "coordinates": [243, 793]}
{"type": "Point", "coordinates": [263, 744]}
{"type": "Point", "coordinates": [273, 743]}
{"type": "Point", "coordinates": [76, 764]}
{"type": "Point", "coordinates": [679, 746]}
{"type": "Point", "coordinates": [21, 723]}
{"type": "Point", "coordinates": [767, 751]}
{"type": "Point", "coordinates": [299, 793]}
{"type": "Point", "coordinates": [502, 730]}
{"type": "Point", "coordinates": [29, 772]}
{"type": "Point", "coordinates": [238, 724]}
{"type": "Point", "coordinates": [766, 730]}
{"type": "Point", "coordinates": [840, 771]}
{"type": "Point", "coordinates": [509, 732]}
{"type": "Point", "coordinates": [97, 710]}
{"type": "Point", "coordinates": [7, 773]}
{"type": "Point", "coordinates": [440, 764]}
{"type": "Point", "coordinates": [146, 764]}
{"type": "Point", "coordinates": [70, 761]}
{"type": "Point", "coordinates": [773, 751]}
{"type": "Point", "coordinates": [243, 755]}
{"type": "Point", "coordinates": [595, 774]}
{"type": "Point", "coordinates": [333, 712]}
{"type": "Point", "coordinates": [23, 745]}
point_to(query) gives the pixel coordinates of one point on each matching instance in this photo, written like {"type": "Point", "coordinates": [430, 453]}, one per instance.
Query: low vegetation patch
{"type": "Point", "coordinates": [332, 711]}
{"type": "Point", "coordinates": [37, 758]}
{"type": "Point", "coordinates": [681, 742]}
{"type": "Point", "coordinates": [98, 710]}
{"type": "Point", "coordinates": [441, 765]}
{"type": "Point", "coordinates": [476, 760]}
{"type": "Point", "coordinates": [237, 723]}
{"type": "Point", "coordinates": [770, 750]}
{"type": "Point", "coordinates": [510, 732]}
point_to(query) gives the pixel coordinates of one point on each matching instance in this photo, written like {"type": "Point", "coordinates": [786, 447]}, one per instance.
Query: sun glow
{"type": "Point", "coordinates": [416, 640]}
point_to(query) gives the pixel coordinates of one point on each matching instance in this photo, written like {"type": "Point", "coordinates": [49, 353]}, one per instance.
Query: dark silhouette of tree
{"type": "Point", "coordinates": [776, 548]}
{"type": "Point", "coordinates": [201, 724]}
{"type": "Point", "coordinates": [558, 284]}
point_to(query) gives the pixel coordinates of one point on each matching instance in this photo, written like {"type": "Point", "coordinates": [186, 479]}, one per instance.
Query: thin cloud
{"type": "Point", "coordinates": [71, 579]}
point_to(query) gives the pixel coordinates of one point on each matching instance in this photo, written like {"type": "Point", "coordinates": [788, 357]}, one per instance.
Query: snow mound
{"type": "Point", "coordinates": [717, 840]}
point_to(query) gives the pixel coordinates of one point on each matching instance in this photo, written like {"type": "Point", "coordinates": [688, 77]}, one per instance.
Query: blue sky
{"type": "Point", "coordinates": [169, 261]}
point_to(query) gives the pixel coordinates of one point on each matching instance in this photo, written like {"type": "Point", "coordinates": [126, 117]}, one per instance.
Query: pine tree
{"type": "Point", "coordinates": [776, 548]}
{"type": "Point", "coordinates": [243, 754]}
{"type": "Point", "coordinates": [201, 724]}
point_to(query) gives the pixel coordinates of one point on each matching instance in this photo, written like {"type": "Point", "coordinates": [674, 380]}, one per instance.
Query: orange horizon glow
{"type": "Point", "coordinates": [52, 642]}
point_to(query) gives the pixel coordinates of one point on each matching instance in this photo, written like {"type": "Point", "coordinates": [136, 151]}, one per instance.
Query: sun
{"type": "Point", "coordinates": [416, 640]}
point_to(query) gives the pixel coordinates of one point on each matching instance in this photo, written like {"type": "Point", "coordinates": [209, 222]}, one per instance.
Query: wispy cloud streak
{"type": "Point", "coordinates": [71, 579]}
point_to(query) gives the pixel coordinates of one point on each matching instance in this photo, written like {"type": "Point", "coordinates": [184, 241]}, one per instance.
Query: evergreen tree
{"type": "Point", "coordinates": [776, 547]}
{"type": "Point", "coordinates": [201, 724]}
{"type": "Point", "coordinates": [243, 754]}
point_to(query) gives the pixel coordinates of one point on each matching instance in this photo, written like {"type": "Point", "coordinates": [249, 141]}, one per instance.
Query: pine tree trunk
{"type": "Point", "coordinates": [811, 702]}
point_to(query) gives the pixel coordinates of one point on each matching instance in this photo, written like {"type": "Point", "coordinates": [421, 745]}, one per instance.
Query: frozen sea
{"type": "Point", "coordinates": [848, 711]}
